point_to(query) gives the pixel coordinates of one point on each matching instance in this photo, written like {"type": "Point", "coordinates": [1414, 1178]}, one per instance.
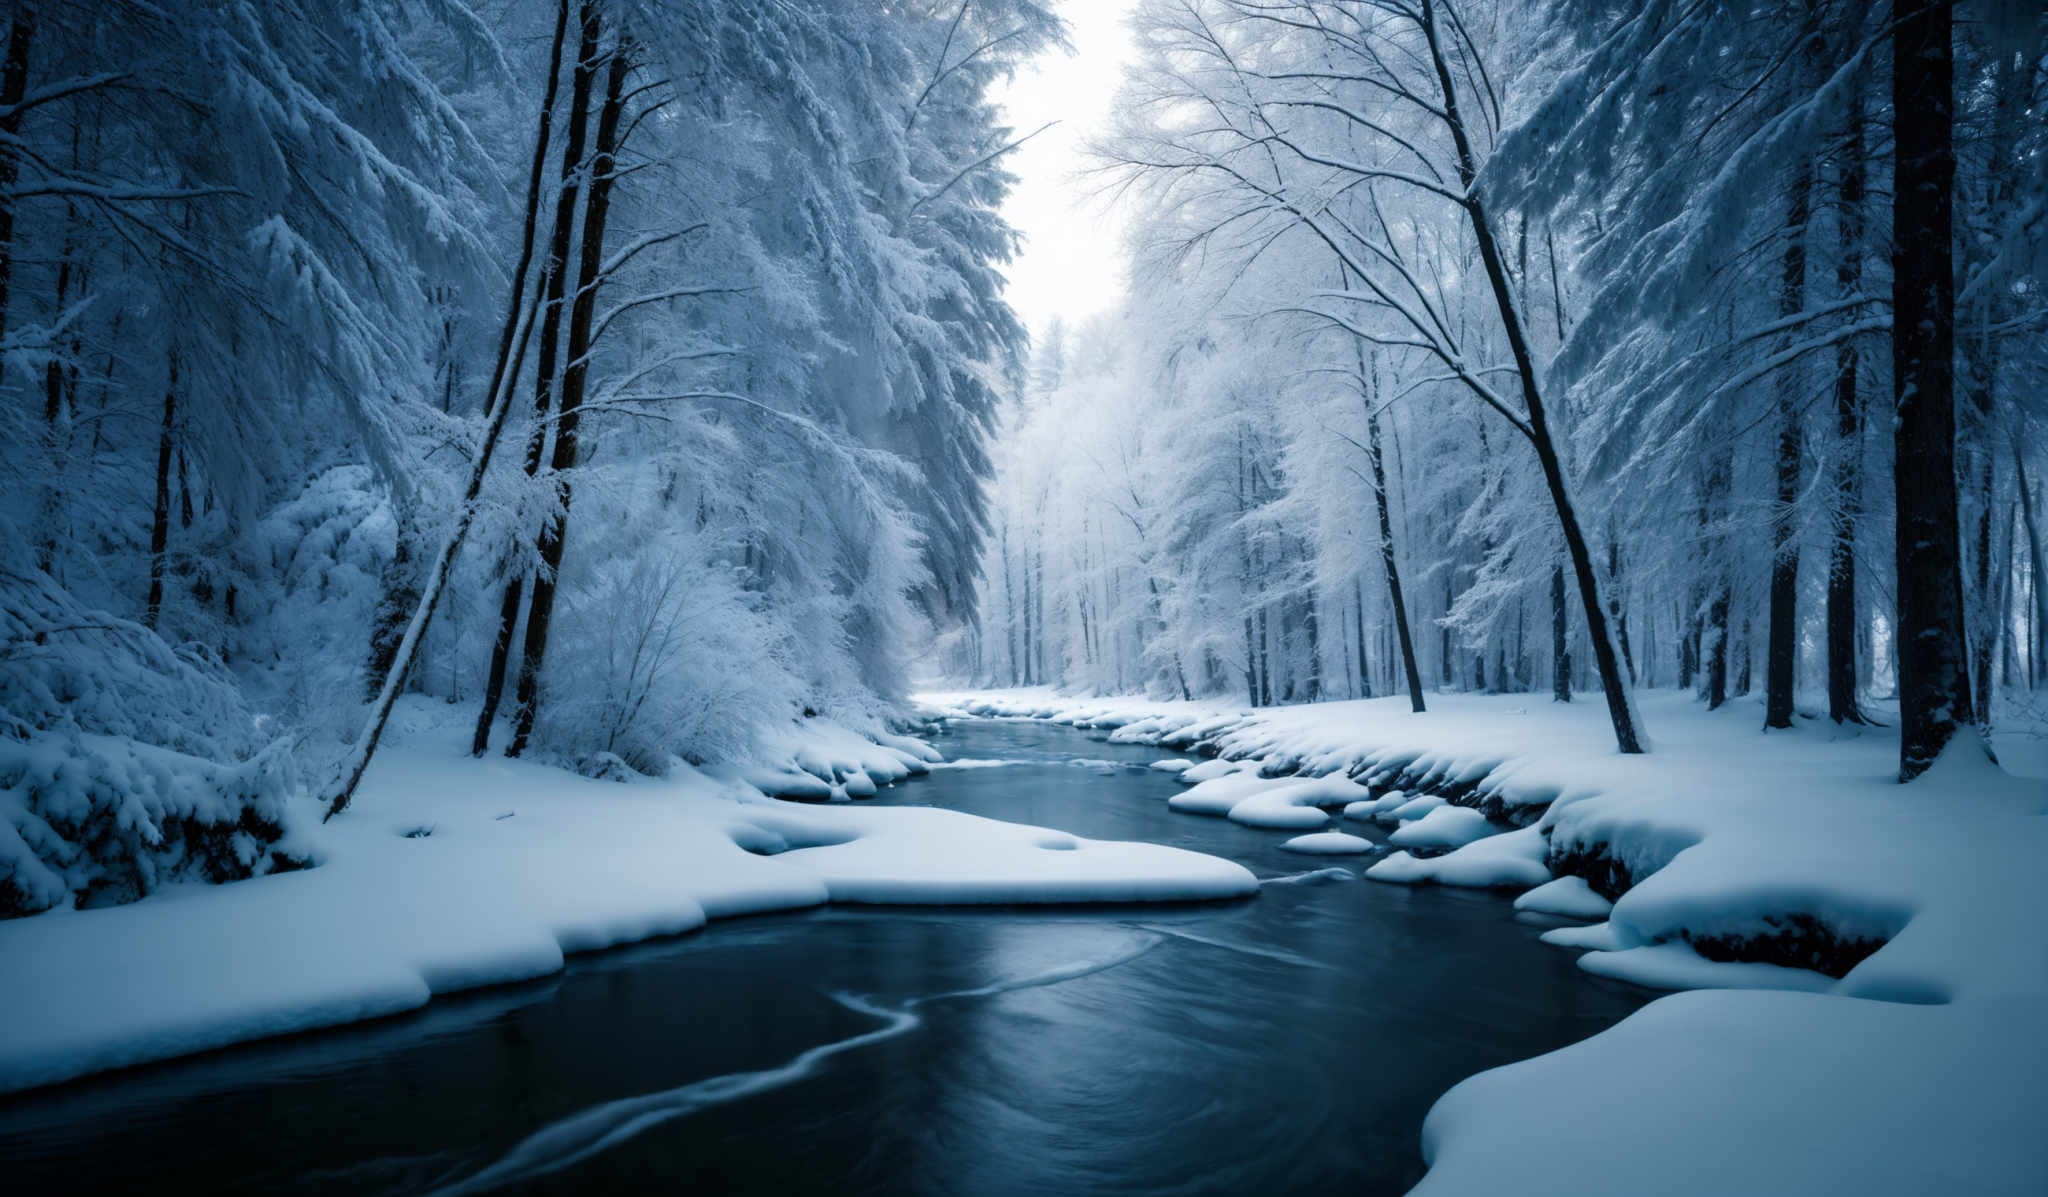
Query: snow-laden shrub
{"type": "Point", "coordinates": [125, 763]}
{"type": "Point", "coordinates": [326, 551]}
{"type": "Point", "coordinates": [659, 657]}
{"type": "Point", "coordinates": [110, 820]}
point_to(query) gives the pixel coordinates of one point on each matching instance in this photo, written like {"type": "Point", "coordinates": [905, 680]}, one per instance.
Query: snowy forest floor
{"type": "Point", "coordinates": [1870, 961]}
{"type": "Point", "coordinates": [450, 872]}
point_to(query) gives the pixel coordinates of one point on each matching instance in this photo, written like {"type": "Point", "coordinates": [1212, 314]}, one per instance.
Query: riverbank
{"type": "Point", "coordinates": [449, 873]}
{"type": "Point", "coordinates": [1872, 951]}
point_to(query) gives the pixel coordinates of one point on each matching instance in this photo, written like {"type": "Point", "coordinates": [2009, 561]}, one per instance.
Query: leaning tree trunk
{"type": "Point", "coordinates": [1620, 704]}
{"type": "Point", "coordinates": [554, 273]}
{"type": "Point", "coordinates": [1389, 558]}
{"type": "Point", "coordinates": [1934, 683]}
{"type": "Point", "coordinates": [1617, 610]}
{"type": "Point", "coordinates": [512, 341]}
{"type": "Point", "coordinates": [554, 531]}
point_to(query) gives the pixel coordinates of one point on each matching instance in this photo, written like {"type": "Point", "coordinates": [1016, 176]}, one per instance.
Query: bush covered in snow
{"type": "Point", "coordinates": [125, 763]}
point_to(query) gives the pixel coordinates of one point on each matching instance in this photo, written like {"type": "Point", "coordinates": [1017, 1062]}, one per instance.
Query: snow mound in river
{"type": "Point", "coordinates": [1329, 843]}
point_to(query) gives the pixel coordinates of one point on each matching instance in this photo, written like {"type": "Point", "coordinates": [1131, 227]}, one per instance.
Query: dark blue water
{"type": "Point", "coordinates": [1285, 1043]}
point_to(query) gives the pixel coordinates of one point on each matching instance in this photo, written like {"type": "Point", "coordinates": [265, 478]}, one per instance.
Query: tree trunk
{"type": "Point", "coordinates": [1364, 666]}
{"type": "Point", "coordinates": [554, 275]}
{"type": "Point", "coordinates": [554, 535]}
{"type": "Point", "coordinates": [1781, 668]}
{"type": "Point", "coordinates": [2039, 617]}
{"type": "Point", "coordinates": [1560, 640]}
{"type": "Point", "coordinates": [1934, 684]}
{"type": "Point", "coordinates": [387, 628]}
{"type": "Point", "coordinates": [160, 512]}
{"type": "Point", "coordinates": [1312, 631]}
{"type": "Point", "coordinates": [1449, 666]}
{"type": "Point", "coordinates": [56, 414]}
{"type": "Point", "coordinates": [1389, 559]}
{"type": "Point", "coordinates": [1616, 610]}
{"type": "Point", "coordinates": [1620, 705]}
{"type": "Point", "coordinates": [1009, 603]}
{"type": "Point", "coordinates": [518, 329]}
{"type": "Point", "coordinates": [1845, 482]}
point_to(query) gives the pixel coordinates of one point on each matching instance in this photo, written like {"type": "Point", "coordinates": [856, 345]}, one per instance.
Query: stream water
{"type": "Point", "coordinates": [1279, 1044]}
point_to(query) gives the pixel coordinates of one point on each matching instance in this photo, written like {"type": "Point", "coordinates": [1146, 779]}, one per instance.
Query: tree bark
{"type": "Point", "coordinates": [1389, 557]}
{"type": "Point", "coordinates": [1616, 610]}
{"type": "Point", "coordinates": [1358, 611]}
{"type": "Point", "coordinates": [160, 511]}
{"type": "Point", "coordinates": [1934, 684]}
{"type": "Point", "coordinates": [1781, 662]}
{"type": "Point", "coordinates": [2039, 618]}
{"type": "Point", "coordinates": [1845, 482]}
{"type": "Point", "coordinates": [554, 275]}
{"type": "Point", "coordinates": [554, 536]}
{"type": "Point", "coordinates": [1560, 640]}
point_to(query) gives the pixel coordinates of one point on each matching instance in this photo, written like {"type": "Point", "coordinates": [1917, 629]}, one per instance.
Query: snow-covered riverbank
{"type": "Point", "coordinates": [449, 873]}
{"type": "Point", "coordinates": [1906, 1052]}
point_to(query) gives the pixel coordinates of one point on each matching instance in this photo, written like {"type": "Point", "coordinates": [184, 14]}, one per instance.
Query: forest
{"type": "Point", "coordinates": [490, 482]}
{"type": "Point", "coordinates": [1556, 348]}
{"type": "Point", "coordinates": [630, 367]}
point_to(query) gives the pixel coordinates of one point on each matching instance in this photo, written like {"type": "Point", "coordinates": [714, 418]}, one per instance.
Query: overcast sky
{"type": "Point", "coordinates": [1072, 264]}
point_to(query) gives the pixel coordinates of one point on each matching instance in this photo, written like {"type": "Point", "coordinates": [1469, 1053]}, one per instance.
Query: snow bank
{"type": "Point", "coordinates": [818, 760]}
{"type": "Point", "coordinates": [448, 873]}
{"type": "Point", "coordinates": [1724, 1092]}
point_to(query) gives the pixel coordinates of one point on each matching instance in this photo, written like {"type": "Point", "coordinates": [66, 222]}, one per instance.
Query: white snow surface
{"type": "Point", "coordinates": [1295, 803]}
{"type": "Point", "coordinates": [448, 873]}
{"type": "Point", "coordinates": [1510, 861]}
{"type": "Point", "coordinates": [1921, 1070]}
{"type": "Point", "coordinates": [1409, 810]}
{"type": "Point", "coordinates": [1329, 843]}
{"type": "Point", "coordinates": [1569, 897]}
{"type": "Point", "coordinates": [1444, 827]}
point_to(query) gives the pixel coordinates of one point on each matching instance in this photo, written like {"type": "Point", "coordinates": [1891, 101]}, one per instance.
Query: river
{"type": "Point", "coordinates": [1285, 1043]}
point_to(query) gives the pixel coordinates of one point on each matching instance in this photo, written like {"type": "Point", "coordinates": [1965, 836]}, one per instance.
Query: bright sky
{"type": "Point", "coordinates": [1072, 264]}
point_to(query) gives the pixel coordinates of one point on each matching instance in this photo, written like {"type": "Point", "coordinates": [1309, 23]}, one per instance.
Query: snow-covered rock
{"type": "Point", "coordinates": [1513, 860]}
{"type": "Point", "coordinates": [1329, 843]}
{"type": "Point", "coordinates": [1442, 828]}
{"type": "Point", "coordinates": [1297, 803]}
{"type": "Point", "coordinates": [1409, 811]}
{"type": "Point", "coordinates": [1569, 897]}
